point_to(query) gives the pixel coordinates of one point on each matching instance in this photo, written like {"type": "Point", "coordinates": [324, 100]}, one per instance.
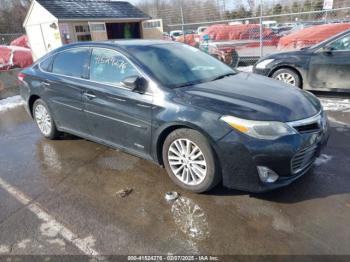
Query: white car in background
{"type": "Point", "coordinates": [175, 34]}
{"type": "Point", "coordinates": [201, 29]}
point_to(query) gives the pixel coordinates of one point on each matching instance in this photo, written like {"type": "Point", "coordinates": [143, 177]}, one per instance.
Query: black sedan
{"type": "Point", "coordinates": [323, 67]}
{"type": "Point", "coordinates": [175, 105]}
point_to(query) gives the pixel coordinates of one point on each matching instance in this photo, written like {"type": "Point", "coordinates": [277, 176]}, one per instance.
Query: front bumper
{"type": "Point", "coordinates": [240, 155]}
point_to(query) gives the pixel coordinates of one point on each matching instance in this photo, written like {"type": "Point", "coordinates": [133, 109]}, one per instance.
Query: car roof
{"type": "Point", "coordinates": [120, 44]}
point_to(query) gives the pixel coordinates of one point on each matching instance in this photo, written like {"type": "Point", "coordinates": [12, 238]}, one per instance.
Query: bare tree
{"type": "Point", "coordinates": [12, 14]}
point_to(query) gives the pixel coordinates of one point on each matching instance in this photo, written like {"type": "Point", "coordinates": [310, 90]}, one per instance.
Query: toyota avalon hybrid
{"type": "Point", "coordinates": [181, 108]}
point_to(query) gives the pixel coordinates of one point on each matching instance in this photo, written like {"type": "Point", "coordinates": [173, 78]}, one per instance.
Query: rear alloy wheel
{"type": "Point", "coordinates": [44, 119]}
{"type": "Point", "coordinates": [189, 160]}
{"type": "Point", "coordinates": [287, 76]}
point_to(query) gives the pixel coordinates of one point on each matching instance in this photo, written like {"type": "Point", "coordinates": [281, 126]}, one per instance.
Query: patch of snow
{"type": "Point", "coordinates": [23, 243]}
{"type": "Point", "coordinates": [336, 104]}
{"type": "Point", "coordinates": [247, 69]}
{"type": "Point", "coordinates": [57, 241]}
{"type": "Point", "coordinates": [322, 159]}
{"type": "Point", "coordinates": [10, 102]}
{"type": "Point", "coordinates": [4, 249]}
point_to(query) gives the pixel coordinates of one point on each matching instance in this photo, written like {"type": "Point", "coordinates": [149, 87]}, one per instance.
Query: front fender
{"type": "Point", "coordinates": [176, 115]}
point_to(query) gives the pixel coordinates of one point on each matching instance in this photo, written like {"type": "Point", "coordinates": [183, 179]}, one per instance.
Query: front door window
{"type": "Point", "coordinates": [342, 44]}
{"type": "Point", "coordinates": [110, 67]}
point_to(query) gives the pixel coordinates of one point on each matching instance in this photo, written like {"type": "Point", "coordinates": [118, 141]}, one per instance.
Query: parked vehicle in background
{"type": "Point", "coordinates": [269, 24]}
{"type": "Point", "coordinates": [16, 55]}
{"type": "Point", "coordinates": [166, 36]}
{"type": "Point", "coordinates": [311, 36]}
{"type": "Point", "coordinates": [175, 34]}
{"type": "Point", "coordinates": [173, 104]}
{"type": "Point", "coordinates": [301, 25]}
{"type": "Point", "coordinates": [281, 28]}
{"type": "Point", "coordinates": [322, 67]}
{"type": "Point", "coordinates": [201, 29]}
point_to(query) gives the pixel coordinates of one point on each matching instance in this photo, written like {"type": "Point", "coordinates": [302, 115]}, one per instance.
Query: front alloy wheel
{"type": "Point", "coordinates": [187, 162]}
{"type": "Point", "coordinates": [190, 161]}
{"type": "Point", "coordinates": [287, 76]}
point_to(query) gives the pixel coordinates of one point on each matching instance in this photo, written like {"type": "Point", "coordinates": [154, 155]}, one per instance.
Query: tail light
{"type": "Point", "coordinates": [21, 77]}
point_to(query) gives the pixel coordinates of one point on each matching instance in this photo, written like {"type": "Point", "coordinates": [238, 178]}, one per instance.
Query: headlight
{"type": "Point", "coordinates": [264, 63]}
{"type": "Point", "coordinates": [270, 130]}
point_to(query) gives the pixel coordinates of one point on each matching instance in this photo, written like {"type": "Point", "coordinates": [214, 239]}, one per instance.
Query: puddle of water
{"type": "Point", "coordinates": [116, 163]}
{"type": "Point", "coordinates": [51, 158]}
{"type": "Point", "coordinates": [260, 214]}
{"type": "Point", "coordinates": [190, 218]}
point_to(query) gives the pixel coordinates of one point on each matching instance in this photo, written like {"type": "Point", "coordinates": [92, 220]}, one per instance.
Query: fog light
{"type": "Point", "coordinates": [266, 175]}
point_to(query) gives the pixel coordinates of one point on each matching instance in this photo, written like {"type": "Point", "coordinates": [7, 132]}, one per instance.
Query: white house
{"type": "Point", "coordinates": [52, 23]}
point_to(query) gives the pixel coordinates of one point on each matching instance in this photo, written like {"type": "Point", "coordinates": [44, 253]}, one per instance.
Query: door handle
{"type": "Point", "coordinates": [89, 96]}
{"type": "Point", "coordinates": [144, 106]}
{"type": "Point", "coordinates": [45, 83]}
{"type": "Point", "coordinates": [118, 99]}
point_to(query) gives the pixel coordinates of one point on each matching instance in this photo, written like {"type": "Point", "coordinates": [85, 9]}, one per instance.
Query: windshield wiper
{"type": "Point", "coordinates": [223, 76]}
{"type": "Point", "coordinates": [191, 83]}
{"type": "Point", "coordinates": [196, 82]}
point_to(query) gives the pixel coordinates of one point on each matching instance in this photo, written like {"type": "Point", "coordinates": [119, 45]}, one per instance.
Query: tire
{"type": "Point", "coordinates": [197, 176]}
{"type": "Point", "coordinates": [44, 120]}
{"type": "Point", "coordinates": [288, 76]}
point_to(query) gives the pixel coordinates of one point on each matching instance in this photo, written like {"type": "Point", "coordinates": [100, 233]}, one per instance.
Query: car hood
{"type": "Point", "coordinates": [302, 52]}
{"type": "Point", "coordinates": [253, 97]}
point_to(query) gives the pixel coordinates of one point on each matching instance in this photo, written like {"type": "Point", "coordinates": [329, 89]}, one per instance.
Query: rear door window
{"type": "Point", "coordinates": [73, 62]}
{"type": "Point", "coordinates": [110, 67]}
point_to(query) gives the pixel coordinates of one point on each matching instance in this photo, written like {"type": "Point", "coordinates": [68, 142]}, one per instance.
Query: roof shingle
{"type": "Point", "coordinates": [92, 9]}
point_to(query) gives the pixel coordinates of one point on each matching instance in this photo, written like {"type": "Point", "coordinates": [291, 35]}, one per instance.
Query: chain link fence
{"type": "Point", "coordinates": [241, 35]}
{"type": "Point", "coordinates": [6, 39]}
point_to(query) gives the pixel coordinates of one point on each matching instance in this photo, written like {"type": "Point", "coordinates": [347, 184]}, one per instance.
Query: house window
{"type": "Point", "coordinates": [82, 29]}
{"type": "Point", "coordinates": [98, 27]}
{"type": "Point", "coordinates": [151, 24]}
{"type": "Point", "coordinates": [83, 33]}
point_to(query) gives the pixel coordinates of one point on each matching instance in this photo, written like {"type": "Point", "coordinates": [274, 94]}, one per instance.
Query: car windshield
{"type": "Point", "coordinates": [178, 65]}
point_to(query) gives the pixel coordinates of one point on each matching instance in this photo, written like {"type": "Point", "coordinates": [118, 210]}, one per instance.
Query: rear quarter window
{"type": "Point", "coordinates": [46, 65]}
{"type": "Point", "coordinates": [73, 62]}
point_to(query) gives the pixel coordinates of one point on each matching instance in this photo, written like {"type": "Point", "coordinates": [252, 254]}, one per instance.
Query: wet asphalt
{"type": "Point", "coordinates": [76, 181]}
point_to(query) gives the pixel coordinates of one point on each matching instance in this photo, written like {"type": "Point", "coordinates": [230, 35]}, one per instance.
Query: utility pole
{"type": "Point", "coordinates": [182, 21]}
{"type": "Point", "coordinates": [261, 30]}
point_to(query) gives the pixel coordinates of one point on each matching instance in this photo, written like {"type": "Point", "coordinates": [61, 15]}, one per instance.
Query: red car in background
{"type": "Point", "coordinates": [16, 55]}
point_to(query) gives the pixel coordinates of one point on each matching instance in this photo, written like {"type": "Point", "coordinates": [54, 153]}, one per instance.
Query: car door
{"type": "Point", "coordinates": [330, 66]}
{"type": "Point", "coordinates": [116, 114]}
{"type": "Point", "coordinates": [64, 85]}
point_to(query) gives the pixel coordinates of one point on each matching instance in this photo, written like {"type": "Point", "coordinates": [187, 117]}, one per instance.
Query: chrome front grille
{"type": "Point", "coordinates": [303, 159]}
{"type": "Point", "coordinates": [310, 125]}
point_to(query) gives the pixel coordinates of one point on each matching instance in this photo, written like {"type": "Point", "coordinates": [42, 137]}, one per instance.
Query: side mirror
{"type": "Point", "coordinates": [136, 84]}
{"type": "Point", "coordinates": [327, 50]}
